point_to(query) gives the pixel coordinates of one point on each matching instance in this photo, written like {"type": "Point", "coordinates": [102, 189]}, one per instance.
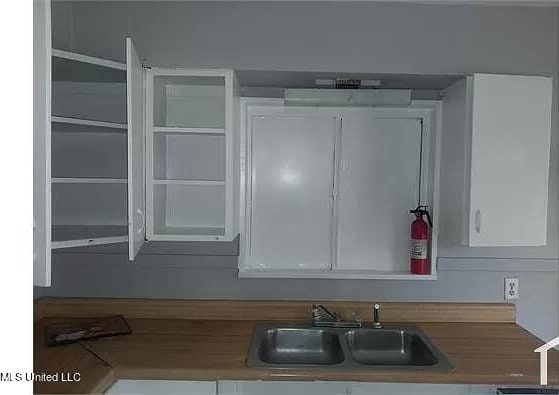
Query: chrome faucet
{"type": "Point", "coordinates": [322, 317]}
{"type": "Point", "coordinates": [376, 316]}
{"type": "Point", "coordinates": [321, 314]}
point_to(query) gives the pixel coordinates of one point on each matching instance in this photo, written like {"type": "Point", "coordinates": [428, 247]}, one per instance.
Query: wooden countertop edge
{"type": "Point", "coordinates": [306, 375]}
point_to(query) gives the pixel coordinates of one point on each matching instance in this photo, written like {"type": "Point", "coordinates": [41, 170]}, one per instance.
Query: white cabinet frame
{"type": "Point", "coordinates": [231, 178]}
{"type": "Point", "coordinates": [427, 111]}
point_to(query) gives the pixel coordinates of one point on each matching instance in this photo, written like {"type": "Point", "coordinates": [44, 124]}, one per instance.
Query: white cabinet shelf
{"type": "Point", "coordinates": [189, 182]}
{"type": "Point", "coordinates": [188, 130]}
{"type": "Point", "coordinates": [73, 125]}
{"type": "Point", "coordinates": [70, 180]}
{"type": "Point", "coordinates": [68, 236]}
{"type": "Point", "coordinates": [85, 63]}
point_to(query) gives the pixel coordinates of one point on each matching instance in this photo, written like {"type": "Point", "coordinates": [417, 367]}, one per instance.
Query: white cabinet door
{"type": "Point", "coordinates": [41, 142]}
{"type": "Point", "coordinates": [162, 387]}
{"type": "Point", "coordinates": [379, 183]}
{"type": "Point", "coordinates": [510, 143]}
{"type": "Point", "coordinates": [292, 192]}
{"type": "Point", "coordinates": [136, 184]}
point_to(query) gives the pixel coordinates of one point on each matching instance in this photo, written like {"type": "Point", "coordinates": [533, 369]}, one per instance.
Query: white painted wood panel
{"type": "Point", "coordinates": [162, 387]}
{"type": "Point", "coordinates": [282, 388]}
{"type": "Point", "coordinates": [136, 137]}
{"type": "Point", "coordinates": [420, 389]}
{"type": "Point", "coordinates": [510, 144]}
{"type": "Point", "coordinates": [379, 183]}
{"type": "Point", "coordinates": [291, 193]}
{"type": "Point", "coordinates": [41, 143]}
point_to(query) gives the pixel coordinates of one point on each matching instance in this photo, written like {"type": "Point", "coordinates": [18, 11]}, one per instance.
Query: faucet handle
{"type": "Point", "coordinates": [376, 316]}
{"type": "Point", "coordinates": [357, 318]}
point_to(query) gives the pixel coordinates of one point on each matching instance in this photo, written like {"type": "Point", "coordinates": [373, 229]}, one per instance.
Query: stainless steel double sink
{"type": "Point", "coordinates": [303, 346]}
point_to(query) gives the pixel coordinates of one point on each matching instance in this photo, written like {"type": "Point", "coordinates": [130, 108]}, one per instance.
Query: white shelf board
{"type": "Point", "coordinates": [56, 245]}
{"type": "Point", "coordinates": [177, 130]}
{"type": "Point", "coordinates": [188, 182]}
{"type": "Point", "coordinates": [189, 233]}
{"type": "Point", "coordinates": [122, 127]}
{"type": "Point", "coordinates": [170, 237]}
{"type": "Point", "coordinates": [335, 274]}
{"type": "Point", "coordinates": [68, 236]}
{"type": "Point", "coordinates": [72, 180]}
{"type": "Point", "coordinates": [58, 53]}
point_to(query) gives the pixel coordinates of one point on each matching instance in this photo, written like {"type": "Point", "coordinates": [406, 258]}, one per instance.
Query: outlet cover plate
{"type": "Point", "coordinates": [511, 288]}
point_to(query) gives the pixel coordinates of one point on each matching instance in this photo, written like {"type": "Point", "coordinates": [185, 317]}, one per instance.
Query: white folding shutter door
{"type": "Point", "coordinates": [511, 125]}
{"type": "Point", "coordinates": [41, 143]}
{"type": "Point", "coordinates": [379, 183]}
{"type": "Point", "coordinates": [136, 187]}
{"type": "Point", "coordinates": [292, 180]}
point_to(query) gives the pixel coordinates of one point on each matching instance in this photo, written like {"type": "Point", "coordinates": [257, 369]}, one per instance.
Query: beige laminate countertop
{"type": "Point", "coordinates": [481, 353]}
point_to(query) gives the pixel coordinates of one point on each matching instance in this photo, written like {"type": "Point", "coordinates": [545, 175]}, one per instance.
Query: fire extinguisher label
{"type": "Point", "coordinates": [419, 249]}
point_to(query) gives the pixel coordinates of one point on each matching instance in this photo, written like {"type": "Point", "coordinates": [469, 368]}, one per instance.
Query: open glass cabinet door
{"type": "Point", "coordinates": [135, 113]}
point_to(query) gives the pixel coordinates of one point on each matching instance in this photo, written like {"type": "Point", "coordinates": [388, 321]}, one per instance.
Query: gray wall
{"type": "Point", "coordinates": [358, 37]}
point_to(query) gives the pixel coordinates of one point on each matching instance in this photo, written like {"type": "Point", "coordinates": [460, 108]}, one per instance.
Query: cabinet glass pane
{"type": "Point", "coordinates": [190, 102]}
{"type": "Point", "coordinates": [189, 209]}
{"type": "Point", "coordinates": [189, 157]}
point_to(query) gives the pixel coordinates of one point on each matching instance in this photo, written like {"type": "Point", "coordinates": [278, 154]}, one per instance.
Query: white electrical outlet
{"type": "Point", "coordinates": [511, 288]}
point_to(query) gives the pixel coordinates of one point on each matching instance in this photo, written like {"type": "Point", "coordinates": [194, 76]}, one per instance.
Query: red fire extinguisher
{"type": "Point", "coordinates": [420, 241]}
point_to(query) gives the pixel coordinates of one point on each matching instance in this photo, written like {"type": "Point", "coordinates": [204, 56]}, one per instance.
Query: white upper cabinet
{"type": "Point", "coordinates": [88, 149]}
{"type": "Point", "coordinates": [191, 175]}
{"type": "Point", "coordinates": [496, 147]}
{"type": "Point", "coordinates": [136, 137]}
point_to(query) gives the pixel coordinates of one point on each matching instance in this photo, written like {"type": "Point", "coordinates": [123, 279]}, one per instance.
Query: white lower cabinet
{"type": "Point", "coordinates": [178, 387]}
{"type": "Point", "coordinates": [419, 389]}
{"type": "Point", "coordinates": [163, 387]}
{"type": "Point", "coordinates": [347, 388]}
{"type": "Point", "coordinates": [282, 388]}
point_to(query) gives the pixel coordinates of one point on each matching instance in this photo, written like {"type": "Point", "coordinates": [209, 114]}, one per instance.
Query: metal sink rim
{"type": "Point", "coordinates": [348, 362]}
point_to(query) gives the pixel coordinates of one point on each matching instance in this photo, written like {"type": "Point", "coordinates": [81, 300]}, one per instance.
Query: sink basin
{"type": "Point", "coordinates": [298, 346]}
{"type": "Point", "coordinates": [276, 345]}
{"type": "Point", "coordinates": [388, 347]}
